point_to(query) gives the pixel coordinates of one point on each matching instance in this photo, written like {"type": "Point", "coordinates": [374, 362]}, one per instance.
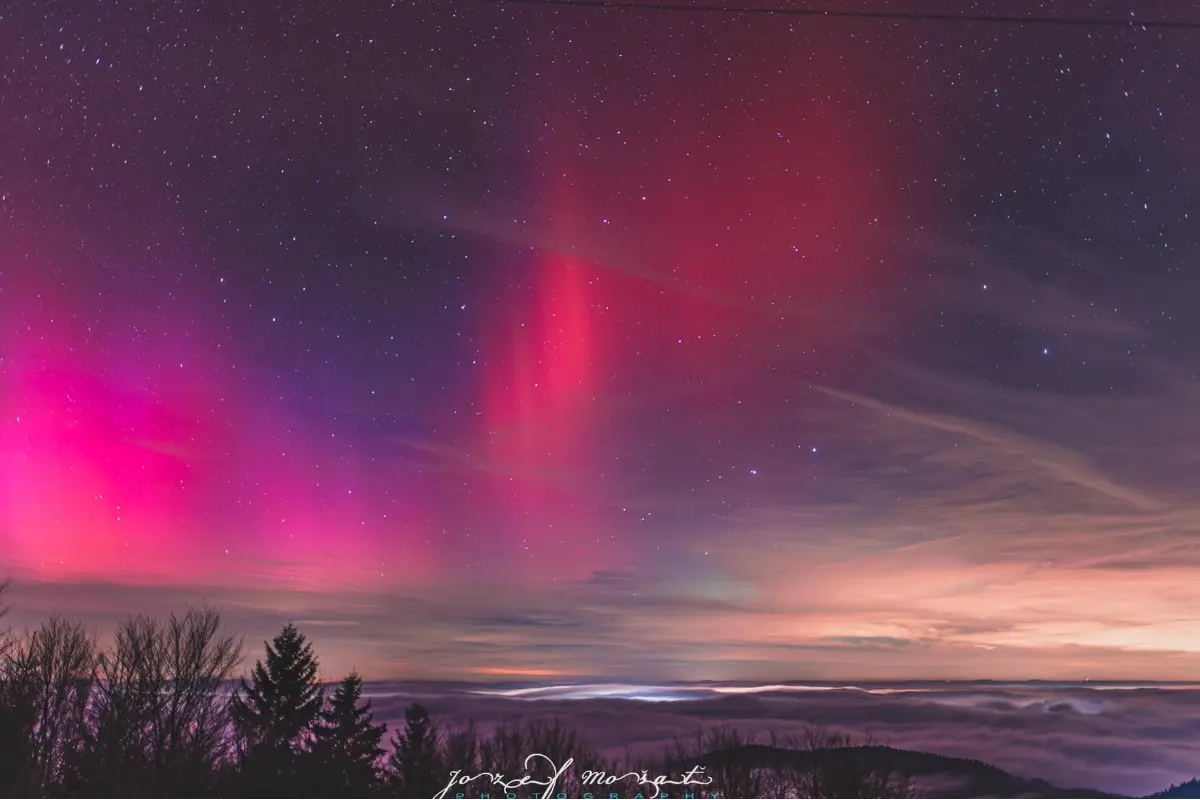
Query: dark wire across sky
{"type": "Point", "coordinates": [895, 16]}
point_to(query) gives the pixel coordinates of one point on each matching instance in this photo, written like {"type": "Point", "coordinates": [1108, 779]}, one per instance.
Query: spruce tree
{"type": "Point", "coordinates": [347, 747]}
{"type": "Point", "coordinates": [274, 715]}
{"type": "Point", "coordinates": [415, 763]}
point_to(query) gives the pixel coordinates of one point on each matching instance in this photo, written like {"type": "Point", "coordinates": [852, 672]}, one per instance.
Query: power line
{"type": "Point", "coordinates": [891, 16]}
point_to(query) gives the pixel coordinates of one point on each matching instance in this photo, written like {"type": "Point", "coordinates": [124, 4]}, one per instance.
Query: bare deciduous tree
{"type": "Point", "coordinates": [16, 718]}
{"type": "Point", "coordinates": [48, 677]}
{"type": "Point", "coordinates": [159, 721]}
{"type": "Point", "coordinates": [724, 753]}
{"type": "Point", "coordinates": [841, 768]}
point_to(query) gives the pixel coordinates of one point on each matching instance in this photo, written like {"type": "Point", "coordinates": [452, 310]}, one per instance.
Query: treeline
{"type": "Point", "coordinates": [154, 715]}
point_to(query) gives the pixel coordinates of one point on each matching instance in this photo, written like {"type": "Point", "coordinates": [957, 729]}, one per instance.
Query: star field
{"type": "Point", "coordinates": [691, 345]}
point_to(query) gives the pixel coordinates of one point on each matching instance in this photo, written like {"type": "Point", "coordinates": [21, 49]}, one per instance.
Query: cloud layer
{"type": "Point", "coordinates": [1123, 740]}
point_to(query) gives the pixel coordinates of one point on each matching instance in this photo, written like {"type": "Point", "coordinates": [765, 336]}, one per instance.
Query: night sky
{"type": "Point", "coordinates": [523, 341]}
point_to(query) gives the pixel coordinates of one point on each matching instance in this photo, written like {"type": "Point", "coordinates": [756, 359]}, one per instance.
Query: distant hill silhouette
{"type": "Point", "coordinates": [1186, 789]}
{"type": "Point", "coordinates": [937, 776]}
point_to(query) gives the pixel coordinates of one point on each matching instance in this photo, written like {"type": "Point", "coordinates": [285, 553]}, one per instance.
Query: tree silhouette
{"type": "Point", "coordinates": [732, 775]}
{"type": "Point", "coordinates": [158, 721]}
{"type": "Point", "coordinates": [17, 717]}
{"type": "Point", "coordinates": [347, 748]}
{"type": "Point", "coordinates": [150, 717]}
{"type": "Point", "coordinates": [415, 763]}
{"type": "Point", "coordinates": [846, 769]}
{"type": "Point", "coordinates": [274, 714]}
{"type": "Point", "coordinates": [50, 672]}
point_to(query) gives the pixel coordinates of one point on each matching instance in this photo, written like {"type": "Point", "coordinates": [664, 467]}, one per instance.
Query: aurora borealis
{"type": "Point", "coordinates": [520, 341]}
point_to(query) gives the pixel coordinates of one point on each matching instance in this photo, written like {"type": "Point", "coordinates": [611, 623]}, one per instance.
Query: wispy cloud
{"type": "Point", "coordinates": [1056, 461]}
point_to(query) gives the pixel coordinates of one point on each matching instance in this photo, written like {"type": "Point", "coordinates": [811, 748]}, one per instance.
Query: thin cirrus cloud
{"type": "Point", "coordinates": [1057, 462]}
{"type": "Point", "coordinates": [978, 560]}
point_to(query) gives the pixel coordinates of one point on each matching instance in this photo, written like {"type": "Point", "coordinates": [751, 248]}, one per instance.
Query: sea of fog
{"type": "Point", "coordinates": [1128, 738]}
